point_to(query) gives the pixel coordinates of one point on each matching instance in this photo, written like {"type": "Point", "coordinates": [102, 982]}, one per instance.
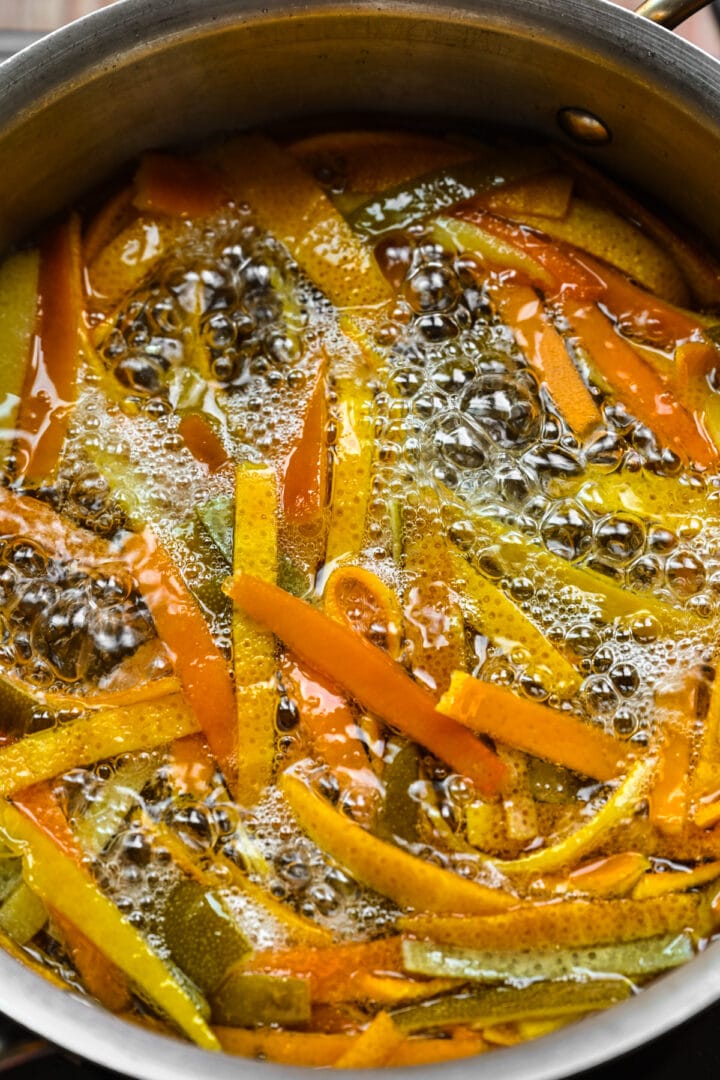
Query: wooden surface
{"type": "Point", "coordinates": [48, 14]}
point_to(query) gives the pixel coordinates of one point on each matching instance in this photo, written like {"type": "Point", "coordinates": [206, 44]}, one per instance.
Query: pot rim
{"type": "Point", "coordinates": [85, 49]}
{"type": "Point", "coordinates": [89, 44]}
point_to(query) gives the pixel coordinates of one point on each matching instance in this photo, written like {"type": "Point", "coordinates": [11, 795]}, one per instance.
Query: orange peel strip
{"type": "Point", "coordinates": [367, 674]}
{"type": "Point", "coordinates": [291, 206]}
{"type": "Point", "coordinates": [375, 1046]}
{"type": "Point", "coordinates": [383, 867]}
{"type": "Point", "coordinates": [51, 384]}
{"type": "Point", "coordinates": [532, 727]}
{"type": "Point", "coordinates": [560, 922]}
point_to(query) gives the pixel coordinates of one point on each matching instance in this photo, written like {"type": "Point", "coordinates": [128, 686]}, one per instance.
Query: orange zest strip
{"type": "Point", "coordinates": [198, 663]}
{"type": "Point", "coordinates": [292, 206]}
{"type": "Point", "coordinates": [314, 1050]}
{"type": "Point", "coordinates": [55, 871]}
{"type": "Point", "coordinates": [191, 767]}
{"type": "Point", "coordinates": [576, 274]}
{"type": "Point", "coordinates": [334, 971]}
{"type": "Point", "coordinates": [701, 272]}
{"type": "Point", "coordinates": [320, 1050]}
{"type": "Point", "coordinates": [694, 360]}
{"type": "Point", "coordinates": [370, 971]}
{"type": "Point", "coordinates": [305, 480]}
{"type": "Point", "coordinates": [373, 160]}
{"type": "Point", "coordinates": [375, 1046]}
{"type": "Point", "coordinates": [534, 728]}
{"type": "Point", "coordinates": [177, 186]}
{"type": "Point", "coordinates": [329, 723]}
{"type": "Point", "coordinates": [21, 515]}
{"type": "Point", "coordinates": [359, 599]}
{"type": "Point", "coordinates": [639, 311]}
{"type": "Point", "coordinates": [255, 550]}
{"type": "Point", "coordinates": [19, 317]}
{"type": "Point", "coordinates": [521, 309]}
{"type": "Point", "coordinates": [369, 675]}
{"type": "Point", "coordinates": [612, 875]}
{"type": "Point", "coordinates": [202, 441]}
{"type": "Point", "coordinates": [151, 690]}
{"type": "Point", "coordinates": [670, 881]}
{"type": "Point", "coordinates": [406, 879]}
{"type": "Point", "coordinates": [112, 216]}
{"type": "Point", "coordinates": [643, 390]}
{"type": "Point", "coordinates": [433, 1051]}
{"type": "Point", "coordinates": [566, 923]}
{"type": "Point", "coordinates": [103, 979]}
{"type": "Point", "coordinates": [547, 195]}
{"type": "Point", "coordinates": [668, 796]}
{"type": "Point", "coordinates": [50, 386]}
{"type": "Point", "coordinates": [98, 734]}
{"type": "Point", "coordinates": [124, 262]}
{"type": "Point", "coordinates": [42, 808]}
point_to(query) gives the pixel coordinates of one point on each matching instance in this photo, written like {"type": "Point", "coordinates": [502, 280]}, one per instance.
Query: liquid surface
{"type": "Point", "coordinates": [358, 596]}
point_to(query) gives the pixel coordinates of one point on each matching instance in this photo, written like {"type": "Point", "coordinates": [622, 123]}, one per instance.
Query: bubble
{"type": "Point", "coordinates": [645, 574]}
{"type": "Point", "coordinates": [293, 868]}
{"type": "Point", "coordinates": [453, 375]}
{"type": "Point", "coordinates": [685, 573]}
{"type": "Point", "coordinates": [407, 382]}
{"type": "Point", "coordinates": [90, 491]}
{"type": "Point", "coordinates": [59, 634]}
{"type": "Point", "coordinates": [534, 684]}
{"type": "Point", "coordinates": [701, 605]}
{"type": "Point", "coordinates": [582, 639]}
{"type": "Point", "coordinates": [505, 409]}
{"type": "Point", "coordinates": [603, 659]}
{"type": "Point", "coordinates": [135, 847]}
{"type": "Point", "coordinates": [460, 790]}
{"type": "Point", "coordinates": [142, 373]}
{"type": "Point", "coordinates": [620, 537]}
{"type": "Point", "coordinates": [437, 328]}
{"type": "Point", "coordinates": [461, 444]}
{"type": "Point", "coordinates": [25, 557]}
{"type": "Point", "coordinates": [116, 633]}
{"type": "Point", "coordinates": [287, 714]}
{"type": "Point", "coordinates": [646, 629]}
{"type": "Point", "coordinates": [626, 679]}
{"type": "Point", "coordinates": [324, 898]}
{"type": "Point", "coordinates": [194, 824]}
{"type": "Point", "coordinates": [553, 460]}
{"type": "Point", "coordinates": [9, 579]}
{"type": "Point", "coordinates": [34, 598]}
{"type": "Point", "coordinates": [432, 289]}
{"type": "Point", "coordinates": [394, 254]}
{"type": "Point", "coordinates": [605, 450]}
{"type": "Point", "coordinates": [219, 330]}
{"type": "Point", "coordinates": [661, 540]}
{"type": "Point", "coordinates": [625, 722]}
{"type": "Point", "coordinates": [599, 695]}
{"type": "Point", "coordinates": [514, 484]}
{"type": "Point", "coordinates": [567, 530]}
{"type": "Point", "coordinates": [499, 671]}
{"type": "Point", "coordinates": [522, 589]}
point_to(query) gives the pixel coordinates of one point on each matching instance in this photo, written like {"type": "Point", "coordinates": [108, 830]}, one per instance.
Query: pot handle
{"type": "Point", "coordinates": [670, 13]}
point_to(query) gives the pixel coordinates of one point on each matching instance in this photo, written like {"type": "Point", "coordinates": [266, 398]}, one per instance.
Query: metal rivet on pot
{"type": "Point", "coordinates": [583, 126]}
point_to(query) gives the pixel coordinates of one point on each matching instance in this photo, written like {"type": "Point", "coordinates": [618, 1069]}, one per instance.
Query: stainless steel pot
{"type": "Point", "coordinates": [152, 72]}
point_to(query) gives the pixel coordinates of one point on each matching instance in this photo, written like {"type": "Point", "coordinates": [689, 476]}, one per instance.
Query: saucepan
{"type": "Point", "coordinates": [639, 101]}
